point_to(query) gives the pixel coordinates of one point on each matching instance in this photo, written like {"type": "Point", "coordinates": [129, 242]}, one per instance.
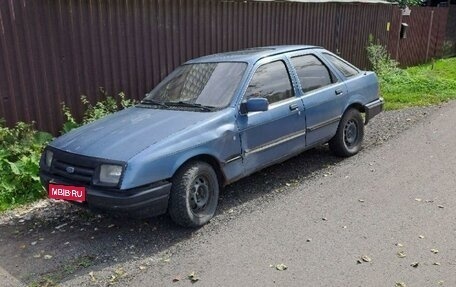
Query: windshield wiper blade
{"type": "Point", "coordinates": [153, 102]}
{"type": "Point", "coordinates": [190, 105]}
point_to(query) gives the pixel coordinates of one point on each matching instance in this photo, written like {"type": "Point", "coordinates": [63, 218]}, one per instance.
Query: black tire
{"type": "Point", "coordinates": [194, 194]}
{"type": "Point", "coordinates": [349, 136]}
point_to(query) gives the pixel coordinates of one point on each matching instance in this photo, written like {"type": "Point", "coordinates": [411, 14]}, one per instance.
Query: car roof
{"type": "Point", "coordinates": [250, 55]}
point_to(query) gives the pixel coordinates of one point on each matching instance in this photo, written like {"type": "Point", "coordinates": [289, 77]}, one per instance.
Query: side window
{"type": "Point", "coordinates": [270, 81]}
{"type": "Point", "coordinates": [312, 73]}
{"type": "Point", "coordinates": [344, 68]}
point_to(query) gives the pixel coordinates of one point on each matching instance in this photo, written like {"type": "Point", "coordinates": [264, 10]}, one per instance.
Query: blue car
{"type": "Point", "coordinates": [212, 121]}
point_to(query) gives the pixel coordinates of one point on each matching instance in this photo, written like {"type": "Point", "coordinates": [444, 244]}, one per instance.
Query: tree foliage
{"type": "Point", "coordinates": [409, 3]}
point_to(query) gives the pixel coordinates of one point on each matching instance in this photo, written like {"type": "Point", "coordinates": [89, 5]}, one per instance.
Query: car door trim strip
{"type": "Point", "coordinates": [276, 142]}
{"type": "Point", "coordinates": [323, 124]}
{"type": "Point", "coordinates": [233, 159]}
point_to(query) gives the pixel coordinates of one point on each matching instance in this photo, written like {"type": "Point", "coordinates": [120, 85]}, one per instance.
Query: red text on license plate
{"type": "Point", "coordinates": [67, 192]}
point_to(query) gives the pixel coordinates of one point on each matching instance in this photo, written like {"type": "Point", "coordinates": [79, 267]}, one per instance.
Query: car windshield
{"type": "Point", "coordinates": [204, 85]}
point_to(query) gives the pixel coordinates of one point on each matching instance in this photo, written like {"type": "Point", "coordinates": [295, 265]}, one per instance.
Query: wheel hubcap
{"type": "Point", "coordinates": [350, 133]}
{"type": "Point", "coordinates": [199, 194]}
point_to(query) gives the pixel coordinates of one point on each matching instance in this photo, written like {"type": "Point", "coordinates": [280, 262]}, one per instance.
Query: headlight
{"type": "Point", "coordinates": [48, 158]}
{"type": "Point", "coordinates": [110, 173]}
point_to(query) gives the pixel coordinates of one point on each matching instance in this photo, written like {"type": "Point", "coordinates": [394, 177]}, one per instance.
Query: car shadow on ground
{"type": "Point", "coordinates": [50, 249]}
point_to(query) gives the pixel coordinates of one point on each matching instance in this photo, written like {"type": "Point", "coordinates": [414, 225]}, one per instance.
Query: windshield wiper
{"type": "Point", "coordinates": [190, 105]}
{"type": "Point", "coordinates": [153, 102]}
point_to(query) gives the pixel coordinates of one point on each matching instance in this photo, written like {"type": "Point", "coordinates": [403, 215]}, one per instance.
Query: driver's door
{"type": "Point", "coordinates": [271, 135]}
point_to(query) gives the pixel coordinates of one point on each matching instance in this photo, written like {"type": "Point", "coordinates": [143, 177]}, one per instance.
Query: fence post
{"type": "Point", "coordinates": [429, 35]}
{"type": "Point", "coordinates": [398, 38]}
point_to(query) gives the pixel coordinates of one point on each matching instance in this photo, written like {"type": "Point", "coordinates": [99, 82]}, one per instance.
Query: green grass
{"type": "Point", "coordinates": [420, 85]}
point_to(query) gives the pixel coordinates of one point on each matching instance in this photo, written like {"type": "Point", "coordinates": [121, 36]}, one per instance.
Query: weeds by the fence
{"type": "Point", "coordinates": [94, 112]}
{"type": "Point", "coordinates": [22, 145]}
{"type": "Point", "coordinates": [20, 151]}
{"type": "Point", "coordinates": [428, 84]}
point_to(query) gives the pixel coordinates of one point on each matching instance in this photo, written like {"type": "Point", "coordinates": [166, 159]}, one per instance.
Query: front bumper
{"type": "Point", "coordinates": [373, 108]}
{"type": "Point", "coordinates": [148, 201]}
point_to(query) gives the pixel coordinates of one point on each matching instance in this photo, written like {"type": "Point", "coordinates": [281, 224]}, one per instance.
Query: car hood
{"type": "Point", "coordinates": [124, 134]}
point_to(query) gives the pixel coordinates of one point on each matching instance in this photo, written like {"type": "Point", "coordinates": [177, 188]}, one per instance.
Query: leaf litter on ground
{"type": "Point", "coordinates": [92, 277]}
{"type": "Point", "coordinates": [193, 277]}
{"type": "Point", "coordinates": [364, 258]}
{"type": "Point", "coordinates": [401, 254]}
{"type": "Point", "coordinates": [281, 267]}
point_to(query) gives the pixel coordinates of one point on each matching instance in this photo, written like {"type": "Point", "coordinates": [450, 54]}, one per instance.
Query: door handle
{"type": "Point", "coordinates": [293, 107]}
{"type": "Point", "coordinates": [338, 92]}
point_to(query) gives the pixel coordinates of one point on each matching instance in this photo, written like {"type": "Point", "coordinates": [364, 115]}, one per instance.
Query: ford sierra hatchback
{"type": "Point", "coordinates": [212, 121]}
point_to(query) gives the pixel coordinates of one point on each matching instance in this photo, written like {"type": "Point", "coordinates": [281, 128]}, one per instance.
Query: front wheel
{"type": "Point", "coordinates": [349, 135]}
{"type": "Point", "coordinates": [194, 195]}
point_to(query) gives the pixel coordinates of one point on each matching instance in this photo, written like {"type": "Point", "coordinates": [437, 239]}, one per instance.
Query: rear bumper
{"type": "Point", "coordinates": [145, 201]}
{"type": "Point", "coordinates": [373, 108]}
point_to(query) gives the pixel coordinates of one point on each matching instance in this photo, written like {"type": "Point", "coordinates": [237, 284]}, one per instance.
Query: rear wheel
{"type": "Point", "coordinates": [194, 195]}
{"type": "Point", "coordinates": [349, 135]}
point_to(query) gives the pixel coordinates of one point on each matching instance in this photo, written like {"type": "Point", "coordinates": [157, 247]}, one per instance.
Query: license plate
{"type": "Point", "coordinates": [67, 192]}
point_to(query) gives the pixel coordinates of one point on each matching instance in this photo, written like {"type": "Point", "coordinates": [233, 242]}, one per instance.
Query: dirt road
{"type": "Point", "coordinates": [382, 218]}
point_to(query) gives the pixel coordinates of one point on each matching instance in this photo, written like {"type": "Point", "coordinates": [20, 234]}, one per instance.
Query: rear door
{"type": "Point", "coordinates": [323, 96]}
{"type": "Point", "coordinates": [271, 135]}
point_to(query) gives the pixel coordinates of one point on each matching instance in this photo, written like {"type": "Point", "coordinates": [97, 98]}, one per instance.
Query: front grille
{"type": "Point", "coordinates": [71, 168]}
{"type": "Point", "coordinates": [74, 168]}
{"type": "Point", "coordinates": [73, 171]}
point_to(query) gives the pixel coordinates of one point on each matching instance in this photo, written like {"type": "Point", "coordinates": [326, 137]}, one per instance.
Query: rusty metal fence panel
{"type": "Point", "coordinates": [425, 35]}
{"type": "Point", "coordinates": [357, 22]}
{"type": "Point", "coordinates": [394, 35]}
{"type": "Point", "coordinates": [449, 47]}
{"type": "Point", "coordinates": [56, 50]}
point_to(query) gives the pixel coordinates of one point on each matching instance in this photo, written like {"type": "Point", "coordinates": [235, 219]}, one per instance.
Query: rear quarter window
{"type": "Point", "coordinates": [346, 69]}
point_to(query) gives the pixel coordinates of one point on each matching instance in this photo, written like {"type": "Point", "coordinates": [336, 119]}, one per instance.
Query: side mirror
{"type": "Point", "coordinates": [254, 105]}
